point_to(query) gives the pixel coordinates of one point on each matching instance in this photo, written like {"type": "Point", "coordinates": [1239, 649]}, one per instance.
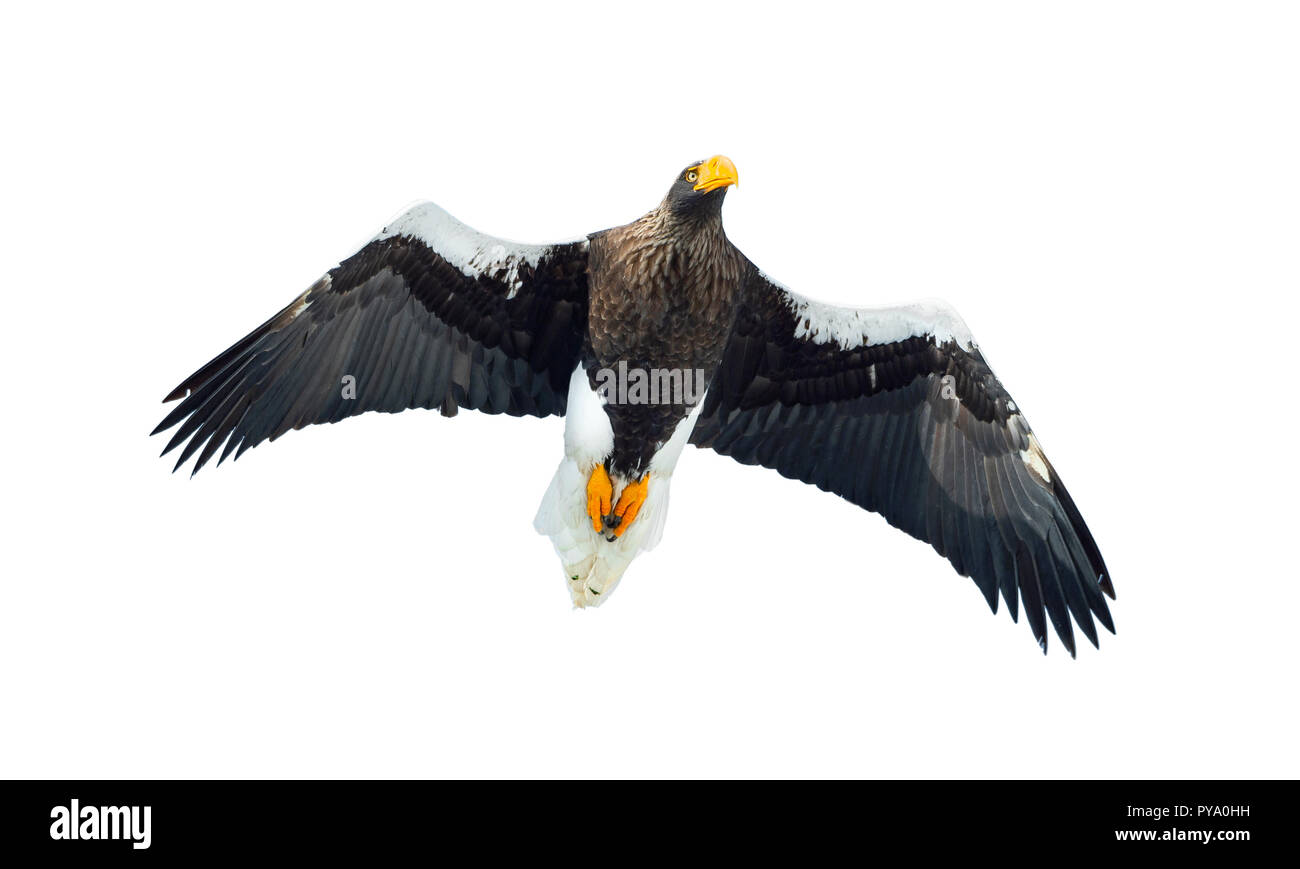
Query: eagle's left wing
{"type": "Point", "coordinates": [429, 314]}
{"type": "Point", "coordinates": [895, 410]}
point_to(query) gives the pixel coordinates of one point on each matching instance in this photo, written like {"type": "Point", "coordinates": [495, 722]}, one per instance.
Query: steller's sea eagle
{"type": "Point", "coordinates": [649, 336]}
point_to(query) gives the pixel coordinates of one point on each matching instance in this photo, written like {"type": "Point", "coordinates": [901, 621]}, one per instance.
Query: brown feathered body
{"type": "Point", "coordinates": [664, 291]}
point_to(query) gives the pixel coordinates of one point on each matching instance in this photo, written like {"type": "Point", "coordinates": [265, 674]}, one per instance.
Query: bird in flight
{"type": "Point", "coordinates": [650, 336]}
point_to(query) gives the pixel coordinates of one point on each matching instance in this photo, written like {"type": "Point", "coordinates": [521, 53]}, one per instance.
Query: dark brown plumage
{"type": "Point", "coordinates": [663, 293]}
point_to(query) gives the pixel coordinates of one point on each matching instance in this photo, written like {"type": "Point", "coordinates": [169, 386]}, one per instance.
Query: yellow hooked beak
{"type": "Point", "coordinates": [716, 172]}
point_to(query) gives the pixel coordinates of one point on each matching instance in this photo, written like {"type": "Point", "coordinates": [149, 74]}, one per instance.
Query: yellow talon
{"type": "Point", "coordinates": [630, 502]}
{"type": "Point", "coordinates": [600, 493]}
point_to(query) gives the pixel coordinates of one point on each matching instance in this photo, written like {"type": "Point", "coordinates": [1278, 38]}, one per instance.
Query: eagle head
{"type": "Point", "coordinates": [701, 186]}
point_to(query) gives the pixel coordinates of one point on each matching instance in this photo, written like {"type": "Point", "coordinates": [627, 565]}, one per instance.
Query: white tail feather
{"type": "Point", "coordinates": [593, 564]}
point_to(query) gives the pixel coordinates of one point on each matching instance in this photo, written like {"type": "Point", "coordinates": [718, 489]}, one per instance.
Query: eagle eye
{"type": "Point", "coordinates": [692, 175]}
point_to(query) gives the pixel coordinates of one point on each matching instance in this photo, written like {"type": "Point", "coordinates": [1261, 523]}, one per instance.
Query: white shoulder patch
{"type": "Point", "coordinates": [858, 327]}
{"type": "Point", "coordinates": [464, 247]}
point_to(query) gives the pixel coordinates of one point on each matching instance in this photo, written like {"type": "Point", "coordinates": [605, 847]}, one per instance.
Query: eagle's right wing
{"type": "Point", "coordinates": [896, 410]}
{"type": "Point", "coordinates": [428, 314]}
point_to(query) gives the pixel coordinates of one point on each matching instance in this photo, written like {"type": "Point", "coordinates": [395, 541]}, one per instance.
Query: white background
{"type": "Point", "coordinates": [1108, 192]}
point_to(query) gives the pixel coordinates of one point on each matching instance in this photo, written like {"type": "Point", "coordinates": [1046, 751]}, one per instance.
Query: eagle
{"type": "Point", "coordinates": [650, 336]}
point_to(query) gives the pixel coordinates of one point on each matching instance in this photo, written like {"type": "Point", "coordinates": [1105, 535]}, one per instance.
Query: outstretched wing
{"type": "Point", "coordinates": [428, 314]}
{"type": "Point", "coordinates": [895, 410]}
